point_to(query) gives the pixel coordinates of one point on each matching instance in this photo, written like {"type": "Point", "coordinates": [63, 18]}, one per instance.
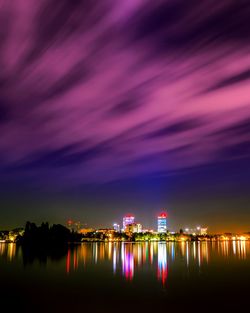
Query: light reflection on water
{"type": "Point", "coordinates": [8, 250]}
{"type": "Point", "coordinates": [126, 259]}
{"type": "Point", "coordinates": [162, 266]}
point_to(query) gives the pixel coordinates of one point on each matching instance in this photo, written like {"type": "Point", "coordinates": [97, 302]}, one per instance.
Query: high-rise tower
{"type": "Point", "coordinates": [128, 220]}
{"type": "Point", "coordinates": [162, 223]}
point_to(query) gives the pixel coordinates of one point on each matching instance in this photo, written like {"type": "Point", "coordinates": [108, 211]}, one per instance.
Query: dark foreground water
{"type": "Point", "coordinates": [127, 277]}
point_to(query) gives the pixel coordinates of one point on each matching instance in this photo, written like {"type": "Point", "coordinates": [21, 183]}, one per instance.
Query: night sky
{"type": "Point", "coordinates": [114, 107]}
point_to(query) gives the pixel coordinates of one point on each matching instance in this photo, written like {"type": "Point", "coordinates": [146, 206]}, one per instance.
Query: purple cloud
{"type": "Point", "coordinates": [93, 92]}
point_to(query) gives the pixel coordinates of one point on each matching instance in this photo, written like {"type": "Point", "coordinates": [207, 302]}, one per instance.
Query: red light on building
{"type": "Point", "coordinates": [162, 215]}
{"type": "Point", "coordinates": [129, 215]}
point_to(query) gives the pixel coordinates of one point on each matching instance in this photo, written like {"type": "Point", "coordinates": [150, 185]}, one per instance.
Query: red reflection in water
{"type": "Point", "coordinates": [68, 262]}
{"type": "Point", "coordinates": [162, 274]}
{"type": "Point", "coordinates": [162, 269]}
{"type": "Point", "coordinates": [75, 261]}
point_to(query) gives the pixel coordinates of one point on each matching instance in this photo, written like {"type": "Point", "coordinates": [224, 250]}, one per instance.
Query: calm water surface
{"type": "Point", "coordinates": [127, 277]}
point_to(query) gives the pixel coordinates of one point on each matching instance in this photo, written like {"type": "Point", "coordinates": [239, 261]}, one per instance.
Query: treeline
{"type": "Point", "coordinates": [47, 235]}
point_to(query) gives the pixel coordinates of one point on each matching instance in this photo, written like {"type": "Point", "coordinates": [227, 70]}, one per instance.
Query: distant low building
{"type": "Point", "coordinates": [137, 228]}
{"type": "Point", "coordinates": [200, 231]}
{"type": "Point", "coordinates": [108, 232]}
{"type": "Point", "coordinates": [86, 230]}
{"type": "Point", "coordinates": [203, 231]}
{"type": "Point", "coordinates": [133, 228]}
{"type": "Point", "coordinates": [105, 231]}
{"type": "Point", "coordinates": [146, 230]}
{"type": "Point", "coordinates": [12, 235]}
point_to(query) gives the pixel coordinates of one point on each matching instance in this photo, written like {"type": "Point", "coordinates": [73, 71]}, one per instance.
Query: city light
{"type": "Point", "coordinates": [162, 223]}
{"type": "Point", "coordinates": [128, 220]}
{"type": "Point", "coordinates": [116, 227]}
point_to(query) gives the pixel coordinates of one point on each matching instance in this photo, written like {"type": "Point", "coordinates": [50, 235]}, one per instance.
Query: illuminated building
{"type": "Point", "coordinates": [137, 228]}
{"type": "Point", "coordinates": [196, 231]}
{"type": "Point", "coordinates": [129, 229]}
{"type": "Point", "coordinates": [128, 220]}
{"type": "Point", "coordinates": [203, 231]}
{"type": "Point", "coordinates": [133, 228]}
{"type": "Point", "coordinates": [162, 223]}
{"type": "Point", "coordinates": [116, 227]}
{"type": "Point", "coordinates": [86, 230]}
{"type": "Point", "coordinates": [105, 231]}
{"type": "Point", "coordinates": [145, 230]}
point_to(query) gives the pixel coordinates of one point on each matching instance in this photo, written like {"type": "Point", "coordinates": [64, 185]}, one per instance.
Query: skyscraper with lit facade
{"type": "Point", "coordinates": [128, 220]}
{"type": "Point", "coordinates": [162, 223]}
{"type": "Point", "coordinates": [116, 227]}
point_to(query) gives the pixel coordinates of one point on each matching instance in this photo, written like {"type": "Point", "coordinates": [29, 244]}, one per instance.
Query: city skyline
{"type": "Point", "coordinates": [116, 107]}
{"type": "Point", "coordinates": [130, 223]}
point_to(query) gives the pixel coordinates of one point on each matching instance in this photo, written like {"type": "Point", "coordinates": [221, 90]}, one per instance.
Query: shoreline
{"type": "Point", "coordinates": [138, 241]}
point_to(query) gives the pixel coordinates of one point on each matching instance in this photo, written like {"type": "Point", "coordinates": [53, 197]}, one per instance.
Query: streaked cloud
{"type": "Point", "coordinates": [96, 92]}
